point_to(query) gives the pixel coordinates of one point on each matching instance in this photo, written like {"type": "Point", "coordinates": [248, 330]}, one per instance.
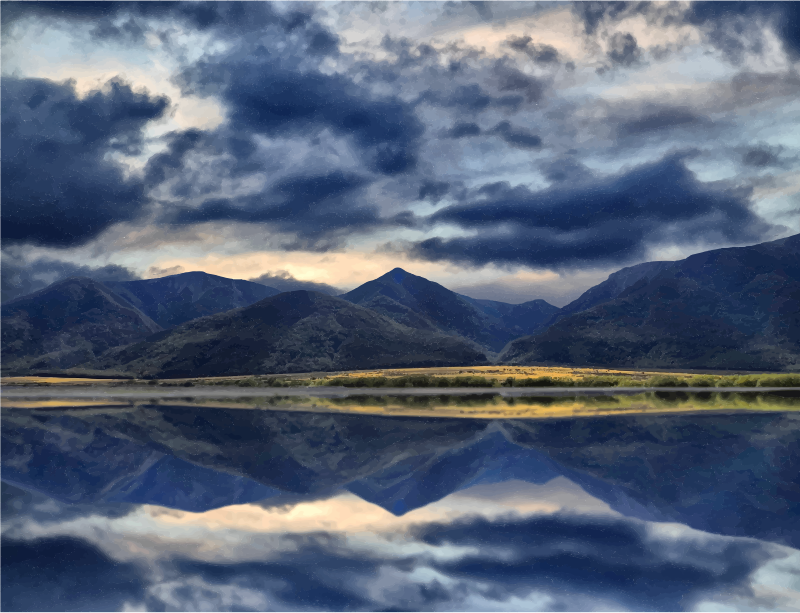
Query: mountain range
{"type": "Point", "coordinates": [735, 308]}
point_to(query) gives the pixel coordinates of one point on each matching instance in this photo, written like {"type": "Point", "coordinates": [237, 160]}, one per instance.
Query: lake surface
{"type": "Point", "coordinates": [185, 501]}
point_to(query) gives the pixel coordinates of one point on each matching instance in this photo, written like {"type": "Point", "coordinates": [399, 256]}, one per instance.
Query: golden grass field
{"type": "Point", "coordinates": [490, 372]}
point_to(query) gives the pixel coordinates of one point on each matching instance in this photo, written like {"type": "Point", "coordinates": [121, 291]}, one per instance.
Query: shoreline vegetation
{"type": "Point", "coordinates": [473, 377]}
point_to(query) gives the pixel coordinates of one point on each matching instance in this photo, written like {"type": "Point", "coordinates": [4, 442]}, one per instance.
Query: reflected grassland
{"type": "Point", "coordinates": [475, 406]}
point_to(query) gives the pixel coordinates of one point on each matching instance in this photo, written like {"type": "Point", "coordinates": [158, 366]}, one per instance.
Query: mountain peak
{"type": "Point", "coordinates": [397, 275]}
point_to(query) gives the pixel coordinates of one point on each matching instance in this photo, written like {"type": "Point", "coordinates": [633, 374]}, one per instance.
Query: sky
{"type": "Point", "coordinates": [507, 150]}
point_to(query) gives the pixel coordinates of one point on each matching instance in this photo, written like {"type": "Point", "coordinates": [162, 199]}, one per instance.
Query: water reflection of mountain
{"type": "Point", "coordinates": [733, 474]}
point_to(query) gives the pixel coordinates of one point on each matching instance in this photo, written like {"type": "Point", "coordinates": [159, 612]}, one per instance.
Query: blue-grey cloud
{"type": "Point", "coordinates": [623, 49]}
{"type": "Point", "coordinates": [541, 54]}
{"type": "Point", "coordinates": [512, 79]}
{"type": "Point", "coordinates": [729, 26]}
{"type": "Point", "coordinates": [516, 136]}
{"type": "Point", "coordinates": [593, 14]}
{"type": "Point", "coordinates": [129, 21]}
{"type": "Point", "coordinates": [435, 190]}
{"type": "Point", "coordinates": [311, 206]}
{"type": "Point", "coordinates": [565, 169]}
{"type": "Point", "coordinates": [482, 8]}
{"type": "Point", "coordinates": [463, 129]}
{"type": "Point", "coordinates": [265, 97]}
{"type": "Point", "coordinates": [20, 278]}
{"type": "Point", "coordinates": [58, 187]}
{"type": "Point", "coordinates": [762, 156]}
{"type": "Point", "coordinates": [612, 220]}
{"type": "Point", "coordinates": [725, 20]}
{"type": "Point", "coordinates": [653, 118]}
{"type": "Point", "coordinates": [286, 282]}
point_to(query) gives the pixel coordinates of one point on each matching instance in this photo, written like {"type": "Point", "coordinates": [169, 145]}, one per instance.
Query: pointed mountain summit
{"type": "Point", "coordinates": [176, 299]}
{"type": "Point", "coordinates": [68, 323]}
{"type": "Point", "coordinates": [734, 308]}
{"type": "Point", "coordinates": [426, 305]}
{"type": "Point", "coordinates": [297, 331]}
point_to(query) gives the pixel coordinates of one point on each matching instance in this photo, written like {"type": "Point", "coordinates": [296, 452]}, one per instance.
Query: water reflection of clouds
{"type": "Point", "coordinates": [370, 513]}
{"type": "Point", "coordinates": [505, 546]}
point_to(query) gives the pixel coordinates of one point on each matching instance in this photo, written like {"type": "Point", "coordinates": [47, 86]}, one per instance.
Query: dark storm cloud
{"type": "Point", "coordinates": [311, 206]}
{"type": "Point", "coordinates": [565, 169]}
{"type": "Point", "coordinates": [511, 79]}
{"type": "Point", "coordinates": [167, 162]}
{"type": "Point", "coordinates": [463, 129]}
{"type": "Point", "coordinates": [762, 156]}
{"type": "Point", "coordinates": [470, 98]}
{"type": "Point", "coordinates": [593, 14]}
{"type": "Point", "coordinates": [482, 8]}
{"type": "Point", "coordinates": [20, 278]}
{"type": "Point", "coordinates": [129, 30]}
{"type": "Point", "coordinates": [129, 20]}
{"type": "Point", "coordinates": [264, 97]}
{"type": "Point", "coordinates": [473, 98]}
{"type": "Point", "coordinates": [623, 49]}
{"type": "Point", "coordinates": [541, 54]}
{"type": "Point", "coordinates": [435, 190]}
{"type": "Point", "coordinates": [732, 27]}
{"type": "Point", "coordinates": [516, 136]}
{"type": "Point", "coordinates": [598, 222]}
{"type": "Point", "coordinates": [285, 282]}
{"type": "Point", "coordinates": [408, 52]}
{"type": "Point", "coordinates": [65, 574]}
{"type": "Point", "coordinates": [609, 560]}
{"type": "Point", "coordinates": [58, 188]}
{"type": "Point", "coordinates": [725, 20]}
{"type": "Point", "coordinates": [652, 118]}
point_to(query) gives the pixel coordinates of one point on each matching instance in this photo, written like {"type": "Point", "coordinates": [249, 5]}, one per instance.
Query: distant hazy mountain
{"type": "Point", "coordinates": [423, 304]}
{"type": "Point", "coordinates": [727, 308]}
{"type": "Point", "coordinates": [176, 299]}
{"type": "Point", "coordinates": [292, 332]}
{"type": "Point", "coordinates": [68, 323]}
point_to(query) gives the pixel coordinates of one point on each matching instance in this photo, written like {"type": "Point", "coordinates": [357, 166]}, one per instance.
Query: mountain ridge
{"type": "Point", "coordinates": [68, 323]}
{"type": "Point", "coordinates": [737, 307]}
{"type": "Point", "coordinates": [300, 331]}
{"type": "Point", "coordinates": [477, 320]}
{"type": "Point", "coordinates": [176, 299]}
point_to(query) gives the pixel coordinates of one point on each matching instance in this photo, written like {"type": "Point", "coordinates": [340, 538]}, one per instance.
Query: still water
{"type": "Point", "coordinates": [226, 504]}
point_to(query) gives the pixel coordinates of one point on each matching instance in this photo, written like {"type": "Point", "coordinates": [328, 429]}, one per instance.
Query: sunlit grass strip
{"type": "Point", "coordinates": [567, 378]}
{"type": "Point", "coordinates": [434, 378]}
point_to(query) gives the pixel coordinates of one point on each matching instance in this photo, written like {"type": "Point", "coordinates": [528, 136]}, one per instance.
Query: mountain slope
{"type": "Point", "coordinates": [292, 332]}
{"type": "Point", "coordinates": [609, 289]}
{"type": "Point", "coordinates": [68, 323]}
{"type": "Point", "coordinates": [176, 299]}
{"type": "Point", "coordinates": [733, 308]}
{"type": "Point", "coordinates": [518, 319]}
{"type": "Point", "coordinates": [420, 303]}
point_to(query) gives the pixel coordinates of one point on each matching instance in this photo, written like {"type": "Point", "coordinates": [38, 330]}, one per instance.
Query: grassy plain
{"type": "Point", "coordinates": [474, 376]}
